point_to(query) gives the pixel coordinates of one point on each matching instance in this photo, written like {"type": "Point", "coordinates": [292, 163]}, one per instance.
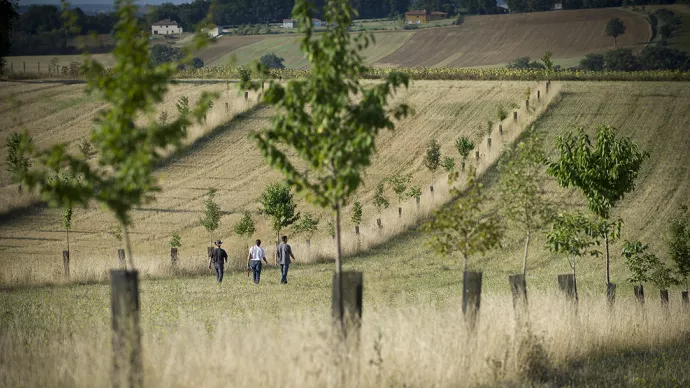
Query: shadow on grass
{"type": "Point", "coordinates": [666, 365]}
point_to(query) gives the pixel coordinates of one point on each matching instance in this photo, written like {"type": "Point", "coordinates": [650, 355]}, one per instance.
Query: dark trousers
{"type": "Point", "coordinates": [283, 273]}
{"type": "Point", "coordinates": [219, 272]}
{"type": "Point", "coordinates": [255, 265]}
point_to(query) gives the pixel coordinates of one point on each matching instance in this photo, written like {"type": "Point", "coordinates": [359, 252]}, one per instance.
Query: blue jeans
{"type": "Point", "coordinates": [255, 265]}
{"type": "Point", "coordinates": [283, 273]}
{"type": "Point", "coordinates": [219, 272]}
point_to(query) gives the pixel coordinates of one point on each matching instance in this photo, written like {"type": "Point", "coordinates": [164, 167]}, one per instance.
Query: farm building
{"type": "Point", "coordinates": [289, 23]}
{"type": "Point", "coordinates": [213, 31]}
{"type": "Point", "coordinates": [166, 27]}
{"type": "Point", "coordinates": [317, 22]}
{"type": "Point", "coordinates": [423, 16]}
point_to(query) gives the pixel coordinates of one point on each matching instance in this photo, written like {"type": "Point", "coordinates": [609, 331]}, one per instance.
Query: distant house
{"type": "Point", "coordinates": [213, 32]}
{"type": "Point", "coordinates": [289, 23]}
{"type": "Point", "coordinates": [317, 22]}
{"type": "Point", "coordinates": [558, 5]}
{"type": "Point", "coordinates": [166, 27]}
{"type": "Point", "coordinates": [423, 16]}
{"type": "Point", "coordinates": [502, 4]}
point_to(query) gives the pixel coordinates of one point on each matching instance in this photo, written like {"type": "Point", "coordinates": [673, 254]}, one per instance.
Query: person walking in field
{"type": "Point", "coordinates": [218, 257]}
{"type": "Point", "coordinates": [283, 256]}
{"type": "Point", "coordinates": [256, 254]}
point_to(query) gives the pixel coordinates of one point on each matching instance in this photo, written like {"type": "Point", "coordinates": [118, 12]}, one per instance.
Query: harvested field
{"type": "Point", "coordinates": [229, 161]}
{"type": "Point", "coordinates": [493, 39]}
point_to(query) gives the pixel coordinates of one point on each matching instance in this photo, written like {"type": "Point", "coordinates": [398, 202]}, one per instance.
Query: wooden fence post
{"type": "Point", "coordinates": [488, 142]}
{"type": "Point", "coordinates": [378, 223]}
{"type": "Point", "coordinates": [357, 230]}
{"type": "Point", "coordinates": [567, 284]}
{"type": "Point", "coordinates": [664, 297]}
{"type": "Point", "coordinates": [500, 129]}
{"type": "Point", "coordinates": [639, 293]}
{"type": "Point", "coordinates": [126, 342]}
{"type": "Point", "coordinates": [39, 67]}
{"type": "Point", "coordinates": [308, 241]}
{"type": "Point", "coordinates": [399, 211]}
{"type": "Point", "coordinates": [471, 296]}
{"type": "Point", "coordinates": [246, 95]}
{"type": "Point", "coordinates": [431, 190]}
{"type": "Point", "coordinates": [518, 286]}
{"type": "Point", "coordinates": [476, 154]}
{"type": "Point", "coordinates": [538, 95]}
{"type": "Point", "coordinates": [611, 292]}
{"type": "Point", "coordinates": [121, 257]}
{"type": "Point", "coordinates": [527, 104]}
{"type": "Point", "coordinates": [65, 263]}
{"type": "Point", "coordinates": [173, 256]}
{"type": "Point", "coordinates": [346, 307]}
{"type": "Point", "coordinates": [515, 116]}
{"type": "Point", "coordinates": [226, 107]}
{"type": "Point", "coordinates": [686, 299]}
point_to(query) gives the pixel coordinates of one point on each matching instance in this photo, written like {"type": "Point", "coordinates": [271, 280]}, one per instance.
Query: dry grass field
{"type": "Point", "coordinates": [413, 334]}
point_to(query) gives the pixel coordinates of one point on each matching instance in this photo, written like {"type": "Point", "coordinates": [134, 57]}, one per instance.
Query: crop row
{"type": "Point", "coordinates": [420, 73]}
{"type": "Point", "coordinates": [449, 73]}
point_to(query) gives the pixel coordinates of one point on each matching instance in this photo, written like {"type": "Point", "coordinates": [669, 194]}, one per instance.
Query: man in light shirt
{"type": "Point", "coordinates": [256, 254]}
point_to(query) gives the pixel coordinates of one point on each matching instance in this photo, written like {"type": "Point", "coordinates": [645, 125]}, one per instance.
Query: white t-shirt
{"type": "Point", "coordinates": [256, 252]}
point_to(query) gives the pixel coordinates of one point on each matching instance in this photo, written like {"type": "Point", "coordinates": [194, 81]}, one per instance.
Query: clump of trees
{"type": "Point", "coordinates": [524, 63]}
{"type": "Point", "coordinates": [652, 57]}
{"type": "Point", "coordinates": [272, 61]}
{"type": "Point", "coordinates": [615, 28]}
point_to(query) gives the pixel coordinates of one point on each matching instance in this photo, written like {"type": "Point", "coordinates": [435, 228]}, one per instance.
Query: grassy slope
{"type": "Point", "coordinates": [654, 114]}
{"type": "Point", "coordinates": [229, 161]}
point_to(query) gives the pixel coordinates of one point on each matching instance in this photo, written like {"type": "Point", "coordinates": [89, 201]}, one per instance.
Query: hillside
{"type": "Point", "coordinates": [487, 40]}
{"type": "Point", "coordinates": [654, 114]}
{"type": "Point", "coordinates": [479, 41]}
{"type": "Point", "coordinates": [228, 160]}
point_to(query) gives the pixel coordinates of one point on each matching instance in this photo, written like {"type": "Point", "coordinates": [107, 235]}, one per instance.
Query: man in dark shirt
{"type": "Point", "coordinates": [218, 257]}
{"type": "Point", "coordinates": [283, 256]}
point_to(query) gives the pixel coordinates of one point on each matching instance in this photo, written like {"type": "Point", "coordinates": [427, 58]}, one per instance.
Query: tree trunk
{"type": "Point", "coordinates": [67, 231]}
{"type": "Point", "coordinates": [128, 246]}
{"type": "Point", "coordinates": [524, 259]}
{"type": "Point", "coordinates": [339, 267]}
{"type": "Point", "coordinates": [608, 270]}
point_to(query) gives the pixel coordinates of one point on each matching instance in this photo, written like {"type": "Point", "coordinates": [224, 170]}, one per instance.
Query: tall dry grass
{"type": "Point", "coordinates": [419, 345]}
